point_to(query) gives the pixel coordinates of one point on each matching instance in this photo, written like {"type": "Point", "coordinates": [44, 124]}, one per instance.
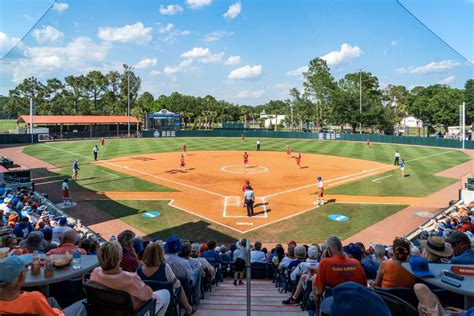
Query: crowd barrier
{"type": "Point", "coordinates": [407, 140]}
{"type": "Point", "coordinates": [17, 138]}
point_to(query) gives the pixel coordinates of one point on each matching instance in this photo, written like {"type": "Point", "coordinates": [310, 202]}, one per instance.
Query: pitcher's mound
{"type": "Point", "coordinates": [242, 170]}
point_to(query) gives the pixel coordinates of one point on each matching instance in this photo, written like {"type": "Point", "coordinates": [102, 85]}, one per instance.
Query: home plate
{"type": "Point", "coordinates": [244, 224]}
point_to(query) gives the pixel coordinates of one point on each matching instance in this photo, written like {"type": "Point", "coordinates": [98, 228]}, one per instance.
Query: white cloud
{"type": "Point", "coordinates": [155, 73]}
{"type": "Point", "coordinates": [447, 80]}
{"type": "Point", "coordinates": [233, 11]}
{"type": "Point", "coordinates": [203, 55]}
{"type": "Point", "coordinates": [171, 9]}
{"type": "Point", "coordinates": [215, 36]}
{"type": "Point", "coordinates": [250, 94]}
{"type": "Point", "coordinates": [198, 4]}
{"type": "Point", "coordinates": [432, 67]}
{"type": "Point", "coordinates": [167, 28]}
{"type": "Point", "coordinates": [6, 43]}
{"type": "Point", "coordinates": [232, 60]}
{"type": "Point", "coordinates": [133, 33]}
{"type": "Point", "coordinates": [78, 54]}
{"type": "Point", "coordinates": [246, 72]}
{"type": "Point", "coordinates": [60, 6]}
{"type": "Point", "coordinates": [170, 70]}
{"type": "Point", "coordinates": [47, 34]}
{"type": "Point", "coordinates": [297, 72]}
{"type": "Point", "coordinates": [394, 43]}
{"type": "Point", "coordinates": [346, 53]}
{"type": "Point", "coordinates": [146, 63]}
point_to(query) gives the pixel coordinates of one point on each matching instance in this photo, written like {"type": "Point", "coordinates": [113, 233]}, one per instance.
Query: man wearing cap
{"type": "Point", "coordinates": [14, 301]}
{"type": "Point", "coordinates": [337, 268]}
{"type": "Point", "coordinates": [249, 200]}
{"type": "Point", "coordinates": [461, 244]}
{"type": "Point", "coordinates": [59, 230]}
{"type": "Point", "coordinates": [466, 225]}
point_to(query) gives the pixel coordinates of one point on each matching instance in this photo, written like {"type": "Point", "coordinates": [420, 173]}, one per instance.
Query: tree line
{"type": "Point", "coordinates": [355, 99]}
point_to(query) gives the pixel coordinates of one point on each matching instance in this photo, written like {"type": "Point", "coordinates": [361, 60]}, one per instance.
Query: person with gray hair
{"type": "Point", "coordinates": [337, 268]}
{"type": "Point", "coordinates": [290, 257]}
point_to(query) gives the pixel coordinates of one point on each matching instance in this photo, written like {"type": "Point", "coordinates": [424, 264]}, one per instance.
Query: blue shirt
{"type": "Point", "coordinates": [212, 257]}
{"type": "Point", "coordinates": [402, 164]}
{"type": "Point", "coordinates": [22, 231]}
{"type": "Point", "coordinates": [75, 165]}
{"type": "Point", "coordinates": [248, 195]}
{"type": "Point", "coordinates": [467, 257]}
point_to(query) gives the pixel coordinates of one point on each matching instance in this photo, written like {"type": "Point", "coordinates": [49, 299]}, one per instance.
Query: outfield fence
{"type": "Point", "coordinates": [378, 138]}
{"type": "Point", "coordinates": [17, 138]}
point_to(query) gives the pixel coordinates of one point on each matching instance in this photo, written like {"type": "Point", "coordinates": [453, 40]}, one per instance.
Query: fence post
{"type": "Point", "coordinates": [248, 277]}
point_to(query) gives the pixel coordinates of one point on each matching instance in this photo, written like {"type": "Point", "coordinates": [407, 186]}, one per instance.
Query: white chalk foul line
{"type": "Point", "coordinates": [377, 180]}
{"type": "Point", "coordinates": [114, 175]}
{"type": "Point", "coordinates": [141, 172]}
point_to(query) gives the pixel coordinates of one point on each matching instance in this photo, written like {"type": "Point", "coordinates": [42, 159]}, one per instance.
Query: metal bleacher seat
{"type": "Point", "coordinates": [258, 270]}
{"type": "Point", "coordinates": [397, 305]}
{"type": "Point", "coordinates": [405, 294]}
{"type": "Point", "coordinates": [173, 307]}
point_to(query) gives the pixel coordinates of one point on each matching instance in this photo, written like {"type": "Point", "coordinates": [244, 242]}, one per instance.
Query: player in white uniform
{"type": "Point", "coordinates": [320, 199]}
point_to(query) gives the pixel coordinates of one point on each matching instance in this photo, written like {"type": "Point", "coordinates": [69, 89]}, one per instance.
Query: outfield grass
{"type": "Point", "coordinates": [312, 226]}
{"type": "Point", "coordinates": [6, 125]}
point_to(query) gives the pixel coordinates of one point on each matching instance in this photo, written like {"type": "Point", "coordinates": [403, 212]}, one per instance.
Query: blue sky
{"type": "Point", "coordinates": [247, 51]}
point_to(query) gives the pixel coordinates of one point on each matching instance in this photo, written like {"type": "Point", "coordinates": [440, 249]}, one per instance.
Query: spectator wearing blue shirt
{"type": "Point", "coordinates": [210, 254]}
{"type": "Point", "coordinates": [463, 253]}
{"type": "Point", "coordinates": [300, 254]}
{"type": "Point", "coordinates": [257, 255]}
{"type": "Point", "coordinates": [23, 228]}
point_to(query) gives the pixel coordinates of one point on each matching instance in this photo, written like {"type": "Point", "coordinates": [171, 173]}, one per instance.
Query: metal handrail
{"type": "Point", "coordinates": [248, 277]}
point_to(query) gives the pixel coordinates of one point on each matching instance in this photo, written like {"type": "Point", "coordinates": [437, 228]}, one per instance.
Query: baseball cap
{"type": "Point", "coordinates": [419, 267]}
{"type": "Point", "coordinates": [350, 298]}
{"type": "Point", "coordinates": [63, 221]}
{"type": "Point", "coordinates": [292, 243]}
{"type": "Point", "coordinates": [458, 237]}
{"type": "Point", "coordinates": [11, 267]}
{"type": "Point", "coordinates": [354, 250]}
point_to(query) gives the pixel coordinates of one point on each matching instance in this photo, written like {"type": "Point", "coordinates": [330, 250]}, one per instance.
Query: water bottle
{"type": "Point", "coordinates": [76, 260]}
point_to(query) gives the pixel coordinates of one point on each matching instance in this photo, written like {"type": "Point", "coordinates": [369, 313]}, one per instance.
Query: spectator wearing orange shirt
{"type": "Point", "coordinates": [14, 301]}
{"type": "Point", "coordinates": [337, 268]}
{"type": "Point", "coordinates": [466, 225]}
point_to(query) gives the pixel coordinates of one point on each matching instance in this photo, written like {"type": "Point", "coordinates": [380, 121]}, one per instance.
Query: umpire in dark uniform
{"type": "Point", "coordinates": [249, 200]}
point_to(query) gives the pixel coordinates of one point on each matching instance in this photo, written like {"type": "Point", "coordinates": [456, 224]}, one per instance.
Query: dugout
{"type": "Point", "coordinates": [79, 126]}
{"type": "Point", "coordinates": [164, 120]}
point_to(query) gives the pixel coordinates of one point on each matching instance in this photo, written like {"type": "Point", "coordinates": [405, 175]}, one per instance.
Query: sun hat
{"type": "Point", "coordinates": [420, 267]}
{"type": "Point", "coordinates": [34, 241]}
{"type": "Point", "coordinates": [437, 246]}
{"type": "Point", "coordinates": [173, 245]}
{"type": "Point", "coordinates": [11, 267]}
{"type": "Point", "coordinates": [351, 298]}
{"type": "Point", "coordinates": [313, 252]}
{"type": "Point", "coordinates": [42, 207]}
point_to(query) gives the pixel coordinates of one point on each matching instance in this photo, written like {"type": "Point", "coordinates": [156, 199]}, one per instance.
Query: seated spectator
{"type": "Point", "coordinates": [435, 249]}
{"type": "Point", "coordinates": [90, 245]}
{"type": "Point", "coordinates": [354, 251]}
{"type": "Point", "coordinates": [466, 225]}
{"type": "Point", "coordinates": [23, 228]}
{"type": "Point", "coordinates": [210, 254]}
{"type": "Point", "coordinates": [15, 301]}
{"type": "Point", "coordinates": [312, 262]}
{"type": "Point", "coordinates": [195, 264]}
{"type": "Point", "coordinates": [129, 258]}
{"type": "Point", "coordinates": [290, 256]}
{"type": "Point", "coordinates": [10, 242]}
{"type": "Point", "coordinates": [225, 258]}
{"type": "Point", "coordinates": [67, 244]}
{"type": "Point", "coordinates": [351, 298]}
{"type": "Point", "coordinates": [300, 254]}
{"type": "Point", "coordinates": [12, 219]}
{"type": "Point", "coordinates": [257, 255]}
{"type": "Point", "coordinates": [462, 249]}
{"type": "Point", "coordinates": [59, 230]}
{"type": "Point", "coordinates": [230, 253]}
{"type": "Point", "coordinates": [111, 275]}
{"type": "Point", "coordinates": [379, 254]}
{"type": "Point", "coordinates": [34, 242]}
{"type": "Point", "coordinates": [391, 273]}
{"type": "Point", "coordinates": [181, 267]}
{"type": "Point", "coordinates": [155, 268]}
{"type": "Point", "coordinates": [240, 259]}
{"type": "Point", "coordinates": [337, 268]}
{"type": "Point", "coordinates": [206, 266]}
{"type": "Point", "coordinates": [279, 255]}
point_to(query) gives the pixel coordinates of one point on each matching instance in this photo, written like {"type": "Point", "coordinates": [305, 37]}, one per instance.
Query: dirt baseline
{"type": "Point", "coordinates": [211, 185]}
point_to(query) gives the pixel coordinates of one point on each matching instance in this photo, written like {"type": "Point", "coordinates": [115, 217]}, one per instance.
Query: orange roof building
{"type": "Point", "coordinates": [81, 126]}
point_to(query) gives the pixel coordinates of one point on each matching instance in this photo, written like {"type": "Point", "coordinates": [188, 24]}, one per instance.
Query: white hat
{"type": "Point", "coordinates": [313, 252]}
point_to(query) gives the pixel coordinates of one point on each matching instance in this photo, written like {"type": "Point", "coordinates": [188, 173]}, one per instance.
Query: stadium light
{"type": "Point", "coordinates": [128, 100]}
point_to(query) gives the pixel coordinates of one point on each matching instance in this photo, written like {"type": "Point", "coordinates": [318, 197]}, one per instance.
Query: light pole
{"type": "Point", "coordinates": [291, 110]}
{"type": "Point", "coordinates": [360, 100]}
{"type": "Point", "coordinates": [128, 100]}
